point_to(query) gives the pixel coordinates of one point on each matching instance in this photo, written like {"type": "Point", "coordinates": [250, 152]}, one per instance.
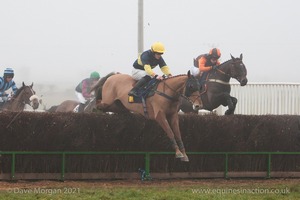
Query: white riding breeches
{"type": "Point", "coordinates": [137, 74]}
{"type": "Point", "coordinates": [195, 71]}
{"type": "Point", "coordinates": [80, 97]}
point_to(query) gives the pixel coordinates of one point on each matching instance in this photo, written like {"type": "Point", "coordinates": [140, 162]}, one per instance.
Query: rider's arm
{"type": "Point", "coordinates": [149, 70]}
{"type": "Point", "coordinates": [85, 92]}
{"type": "Point", "coordinates": [166, 70]}
{"type": "Point", "coordinates": [163, 66]}
{"type": "Point", "coordinates": [202, 66]}
{"type": "Point", "coordinates": [14, 88]}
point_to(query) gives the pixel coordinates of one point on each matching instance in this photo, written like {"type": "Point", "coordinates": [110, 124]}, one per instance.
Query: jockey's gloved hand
{"type": "Point", "coordinates": [167, 76]}
{"type": "Point", "coordinates": [214, 67]}
{"type": "Point", "coordinates": [159, 77]}
{"type": "Point", "coordinates": [9, 96]}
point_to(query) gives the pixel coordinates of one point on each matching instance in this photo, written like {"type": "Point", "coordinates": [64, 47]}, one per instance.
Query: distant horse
{"type": "Point", "coordinates": [24, 95]}
{"type": "Point", "coordinates": [72, 106]}
{"type": "Point", "coordinates": [97, 88]}
{"type": "Point", "coordinates": [217, 88]}
{"type": "Point", "coordinates": [52, 109]}
{"type": "Point", "coordinates": [162, 106]}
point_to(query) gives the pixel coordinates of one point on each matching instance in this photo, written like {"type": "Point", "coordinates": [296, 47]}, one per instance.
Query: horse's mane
{"type": "Point", "coordinates": [101, 81]}
{"type": "Point", "coordinates": [176, 76]}
{"type": "Point", "coordinates": [19, 91]}
{"type": "Point", "coordinates": [223, 63]}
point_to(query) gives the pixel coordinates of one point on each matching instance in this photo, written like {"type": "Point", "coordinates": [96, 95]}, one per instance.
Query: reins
{"type": "Point", "coordinates": [177, 94]}
{"type": "Point", "coordinates": [172, 98]}
{"type": "Point", "coordinates": [19, 101]}
{"type": "Point", "coordinates": [222, 72]}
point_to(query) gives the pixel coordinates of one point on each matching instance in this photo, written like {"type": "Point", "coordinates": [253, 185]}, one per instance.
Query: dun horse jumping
{"type": "Point", "coordinates": [161, 107]}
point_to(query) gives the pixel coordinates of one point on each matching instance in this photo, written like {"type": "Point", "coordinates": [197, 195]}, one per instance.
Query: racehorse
{"type": "Point", "coordinates": [24, 95]}
{"type": "Point", "coordinates": [161, 107]}
{"type": "Point", "coordinates": [72, 106]}
{"type": "Point", "coordinates": [217, 88]}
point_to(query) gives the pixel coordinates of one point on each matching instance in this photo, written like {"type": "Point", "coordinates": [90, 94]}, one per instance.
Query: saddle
{"type": "Point", "coordinates": [144, 92]}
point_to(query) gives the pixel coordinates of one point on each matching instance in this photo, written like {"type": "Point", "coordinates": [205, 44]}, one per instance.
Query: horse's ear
{"type": "Point", "coordinates": [241, 56]}
{"type": "Point", "coordinates": [189, 73]}
{"type": "Point", "coordinates": [23, 84]}
{"type": "Point", "coordinates": [31, 85]}
{"type": "Point", "coordinates": [232, 57]}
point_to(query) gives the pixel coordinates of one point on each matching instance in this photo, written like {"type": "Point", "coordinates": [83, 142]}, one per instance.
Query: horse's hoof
{"type": "Point", "coordinates": [229, 112]}
{"type": "Point", "coordinates": [179, 155]}
{"type": "Point", "coordinates": [185, 159]}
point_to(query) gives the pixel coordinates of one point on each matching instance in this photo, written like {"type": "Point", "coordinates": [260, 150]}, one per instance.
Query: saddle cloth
{"type": "Point", "coordinates": [147, 90]}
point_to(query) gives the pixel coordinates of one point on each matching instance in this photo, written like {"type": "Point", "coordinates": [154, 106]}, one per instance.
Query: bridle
{"type": "Point", "coordinates": [177, 94]}
{"type": "Point", "coordinates": [225, 74]}
{"type": "Point", "coordinates": [27, 100]}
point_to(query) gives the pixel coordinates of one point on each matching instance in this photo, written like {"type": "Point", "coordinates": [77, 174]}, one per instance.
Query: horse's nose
{"type": "Point", "coordinates": [35, 106]}
{"type": "Point", "coordinates": [244, 82]}
{"type": "Point", "coordinates": [197, 106]}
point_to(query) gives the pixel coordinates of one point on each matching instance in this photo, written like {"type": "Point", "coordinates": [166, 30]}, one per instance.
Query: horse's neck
{"type": "Point", "coordinates": [15, 104]}
{"type": "Point", "coordinates": [224, 73]}
{"type": "Point", "coordinates": [176, 84]}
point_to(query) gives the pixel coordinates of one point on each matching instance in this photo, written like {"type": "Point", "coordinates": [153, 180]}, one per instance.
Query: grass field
{"type": "Point", "coordinates": [155, 189]}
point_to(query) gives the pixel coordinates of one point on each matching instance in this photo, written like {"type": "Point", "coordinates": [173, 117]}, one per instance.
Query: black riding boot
{"type": "Point", "coordinates": [138, 85]}
{"type": "Point", "coordinates": [202, 80]}
{"type": "Point", "coordinates": [81, 108]}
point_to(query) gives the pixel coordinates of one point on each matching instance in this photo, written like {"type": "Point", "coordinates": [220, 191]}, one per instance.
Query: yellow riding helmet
{"type": "Point", "coordinates": [158, 47]}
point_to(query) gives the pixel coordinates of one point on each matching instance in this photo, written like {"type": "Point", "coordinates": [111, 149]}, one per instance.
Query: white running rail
{"type": "Point", "coordinates": [265, 98]}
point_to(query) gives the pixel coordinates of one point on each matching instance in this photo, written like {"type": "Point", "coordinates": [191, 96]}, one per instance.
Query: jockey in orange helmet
{"type": "Point", "coordinates": [206, 62]}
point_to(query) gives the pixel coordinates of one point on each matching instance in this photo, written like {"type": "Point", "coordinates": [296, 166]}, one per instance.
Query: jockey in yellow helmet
{"type": "Point", "coordinates": [142, 67]}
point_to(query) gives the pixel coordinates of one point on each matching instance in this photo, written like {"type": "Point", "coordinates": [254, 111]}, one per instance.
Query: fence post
{"type": "Point", "coordinates": [13, 166]}
{"type": "Point", "coordinates": [62, 177]}
{"type": "Point", "coordinates": [226, 166]}
{"type": "Point", "coordinates": [269, 166]}
{"type": "Point", "coordinates": [147, 165]}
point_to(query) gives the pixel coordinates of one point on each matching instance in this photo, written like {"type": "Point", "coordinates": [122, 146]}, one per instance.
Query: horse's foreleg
{"type": "Point", "coordinates": [163, 122]}
{"type": "Point", "coordinates": [231, 101]}
{"type": "Point", "coordinates": [174, 121]}
{"type": "Point", "coordinates": [230, 104]}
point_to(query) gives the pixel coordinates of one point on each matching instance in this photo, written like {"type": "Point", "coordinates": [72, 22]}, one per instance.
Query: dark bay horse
{"type": "Point", "coordinates": [72, 106]}
{"type": "Point", "coordinates": [161, 107]}
{"type": "Point", "coordinates": [217, 88]}
{"type": "Point", "coordinates": [24, 95]}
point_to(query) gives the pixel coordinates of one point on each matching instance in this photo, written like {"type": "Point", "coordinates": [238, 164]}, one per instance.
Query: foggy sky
{"type": "Point", "coordinates": [63, 41]}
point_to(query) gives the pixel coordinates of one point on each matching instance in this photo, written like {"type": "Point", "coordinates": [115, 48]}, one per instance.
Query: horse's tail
{"type": "Point", "coordinates": [98, 86]}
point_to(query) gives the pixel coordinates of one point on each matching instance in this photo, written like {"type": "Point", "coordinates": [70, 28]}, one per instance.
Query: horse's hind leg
{"type": "Point", "coordinates": [163, 122]}
{"type": "Point", "coordinates": [232, 101]}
